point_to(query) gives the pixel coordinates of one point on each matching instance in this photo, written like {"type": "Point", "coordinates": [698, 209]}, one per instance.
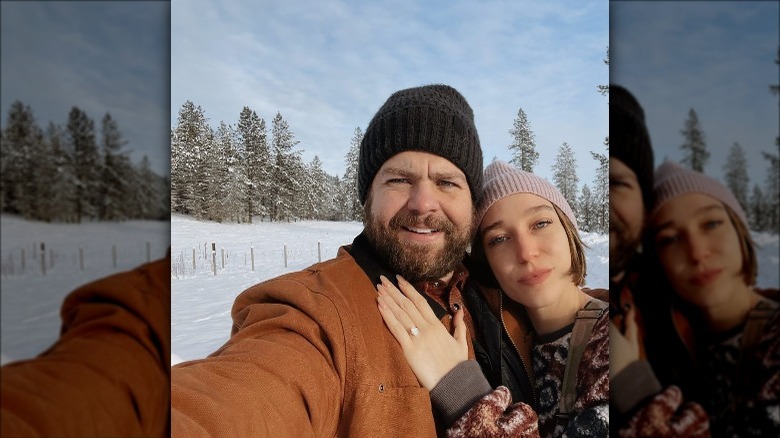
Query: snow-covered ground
{"type": "Point", "coordinates": [200, 300]}
{"type": "Point", "coordinates": [30, 301]}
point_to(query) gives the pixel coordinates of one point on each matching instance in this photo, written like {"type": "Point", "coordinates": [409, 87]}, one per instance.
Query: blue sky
{"type": "Point", "coordinates": [328, 66]}
{"type": "Point", "coordinates": [715, 57]}
{"type": "Point", "coordinates": [100, 56]}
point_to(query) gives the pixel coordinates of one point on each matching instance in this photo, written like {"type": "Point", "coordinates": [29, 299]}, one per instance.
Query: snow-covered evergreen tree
{"type": "Point", "coordinates": [287, 171]}
{"type": "Point", "coordinates": [695, 154]}
{"type": "Point", "coordinates": [116, 171]}
{"type": "Point", "coordinates": [190, 141]}
{"type": "Point", "coordinates": [22, 151]}
{"type": "Point", "coordinates": [757, 210]}
{"type": "Point", "coordinates": [352, 207]}
{"type": "Point", "coordinates": [257, 165]}
{"type": "Point", "coordinates": [86, 163]}
{"type": "Point", "coordinates": [587, 210]}
{"type": "Point", "coordinates": [565, 174]}
{"type": "Point", "coordinates": [772, 191]}
{"type": "Point", "coordinates": [737, 179]}
{"type": "Point", "coordinates": [523, 147]}
{"type": "Point", "coordinates": [600, 194]}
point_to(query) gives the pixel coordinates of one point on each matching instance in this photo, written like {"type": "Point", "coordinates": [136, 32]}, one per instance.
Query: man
{"type": "Point", "coordinates": [630, 198]}
{"type": "Point", "coordinates": [309, 354]}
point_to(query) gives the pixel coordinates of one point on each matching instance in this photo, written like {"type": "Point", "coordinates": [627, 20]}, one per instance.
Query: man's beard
{"type": "Point", "coordinates": [625, 248]}
{"type": "Point", "coordinates": [413, 261]}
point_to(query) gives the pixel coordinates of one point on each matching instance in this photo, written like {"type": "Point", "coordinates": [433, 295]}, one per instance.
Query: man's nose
{"type": "Point", "coordinates": [422, 198]}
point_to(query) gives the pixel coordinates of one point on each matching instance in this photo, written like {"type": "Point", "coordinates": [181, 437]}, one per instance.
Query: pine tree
{"type": "Point", "coordinates": [62, 182]}
{"type": "Point", "coordinates": [772, 192]}
{"type": "Point", "coordinates": [523, 144]}
{"type": "Point", "coordinates": [86, 163]}
{"type": "Point", "coordinates": [694, 148]}
{"type": "Point", "coordinates": [287, 171]}
{"type": "Point", "coordinates": [565, 174]}
{"type": "Point", "coordinates": [116, 166]}
{"type": "Point", "coordinates": [604, 89]}
{"type": "Point", "coordinates": [22, 150]}
{"type": "Point", "coordinates": [737, 179]}
{"type": "Point", "coordinates": [190, 140]}
{"type": "Point", "coordinates": [352, 206]}
{"type": "Point", "coordinates": [601, 194]}
{"type": "Point", "coordinates": [252, 137]}
{"type": "Point", "coordinates": [757, 209]}
{"type": "Point", "coordinates": [587, 217]}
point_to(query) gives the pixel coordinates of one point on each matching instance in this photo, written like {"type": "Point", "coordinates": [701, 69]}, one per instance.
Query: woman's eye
{"type": "Point", "coordinates": [709, 225]}
{"type": "Point", "coordinates": [542, 224]}
{"type": "Point", "coordinates": [496, 240]}
{"type": "Point", "coordinates": [662, 241]}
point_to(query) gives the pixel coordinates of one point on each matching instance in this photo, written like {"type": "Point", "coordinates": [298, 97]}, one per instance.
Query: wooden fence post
{"type": "Point", "coordinates": [252, 252]}
{"type": "Point", "coordinates": [285, 255]}
{"type": "Point", "coordinates": [43, 259]}
{"type": "Point", "coordinates": [214, 257]}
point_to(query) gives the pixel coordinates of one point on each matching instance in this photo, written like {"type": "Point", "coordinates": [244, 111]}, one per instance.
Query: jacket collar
{"type": "Point", "coordinates": [365, 256]}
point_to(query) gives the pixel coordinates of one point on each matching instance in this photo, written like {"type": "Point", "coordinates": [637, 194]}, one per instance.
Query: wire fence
{"type": "Point", "coordinates": [211, 258]}
{"type": "Point", "coordinates": [43, 259]}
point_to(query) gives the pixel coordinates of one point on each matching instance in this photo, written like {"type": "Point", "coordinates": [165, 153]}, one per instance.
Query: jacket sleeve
{"type": "Point", "coordinates": [108, 373]}
{"type": "Point", "coordinates": [280, 374]}
{"type": "Point", "coordinates": [665, 416]}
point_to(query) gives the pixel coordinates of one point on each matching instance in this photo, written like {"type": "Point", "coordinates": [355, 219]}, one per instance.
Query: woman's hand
{"type": "Point", "coordinates": [623, 349]}
{"type": "Point", "coordinates": [432, 352]}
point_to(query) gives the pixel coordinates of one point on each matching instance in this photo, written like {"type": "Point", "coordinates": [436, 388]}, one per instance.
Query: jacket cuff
{"type": "Point", "coordinates": [459, 390]}
{"type": "Point", "coordinates": [632, 385]}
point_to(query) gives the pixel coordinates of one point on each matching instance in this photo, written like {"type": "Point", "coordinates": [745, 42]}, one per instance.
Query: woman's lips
{"type": "Point", "coordinates": [536, 277]}
{"type": "Point", "coordinates": [706, 277]}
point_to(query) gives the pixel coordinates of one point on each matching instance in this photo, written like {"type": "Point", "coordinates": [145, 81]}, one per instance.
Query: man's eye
{"type": "Point", "coordinates": [397, 181]}
{"type": "Point", "coordinates": [446, 183]}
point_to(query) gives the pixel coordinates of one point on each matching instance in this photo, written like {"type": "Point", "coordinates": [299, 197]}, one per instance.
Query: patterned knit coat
{"type": "Point", "coordinates": [495, 415]}
{"type": "Point", "coordinates": [727, 394]}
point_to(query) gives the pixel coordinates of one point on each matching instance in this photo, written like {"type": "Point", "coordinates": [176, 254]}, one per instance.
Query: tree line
{"type": "Point", "coordinates": [245, 171]}
{"type": "Point", "coordinates": [76, 173]}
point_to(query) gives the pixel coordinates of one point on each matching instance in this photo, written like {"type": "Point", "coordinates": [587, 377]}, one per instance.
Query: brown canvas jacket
{"type": "Point", "coordinates": [108, 373]}
{"type": "Point", "coordinates": [309, 355]}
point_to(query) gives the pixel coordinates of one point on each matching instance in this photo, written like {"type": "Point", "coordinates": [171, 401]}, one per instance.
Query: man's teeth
{"type": "Point", "coordinates": [421, 230]}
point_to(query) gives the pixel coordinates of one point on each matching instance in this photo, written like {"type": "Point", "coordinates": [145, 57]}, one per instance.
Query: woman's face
{"type": "Point", "coordinates": [527, 248]}
{"type": "Point", "coordinates": [699, 249]}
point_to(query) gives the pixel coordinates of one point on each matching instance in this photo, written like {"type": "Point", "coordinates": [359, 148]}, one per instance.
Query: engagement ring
{"type": "Point", "coordinates": [414, 331]}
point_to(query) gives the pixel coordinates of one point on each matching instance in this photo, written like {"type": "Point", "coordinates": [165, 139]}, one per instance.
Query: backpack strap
{"type": "Point", "coordinates": [583, 327]}
{"type": "Point", "coordinates": [757, 319]}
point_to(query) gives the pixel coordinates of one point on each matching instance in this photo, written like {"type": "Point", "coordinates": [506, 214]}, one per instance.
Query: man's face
{"type": "Point", "coordinates": [419, 215]}
{"type": "Point", "coordinates": [626, 215]}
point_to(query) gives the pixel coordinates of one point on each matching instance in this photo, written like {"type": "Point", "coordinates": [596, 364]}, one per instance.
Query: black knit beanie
{"type": "Point", "coordinates": [432, 118]}
{"type": "Point", "coordinates": [629, 140]}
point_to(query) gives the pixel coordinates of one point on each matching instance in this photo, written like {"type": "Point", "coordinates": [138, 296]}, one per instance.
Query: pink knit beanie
{"type": "Point", "coordinates": [502, 180]}
{"type": "Point", "coordinates": [673, 180]}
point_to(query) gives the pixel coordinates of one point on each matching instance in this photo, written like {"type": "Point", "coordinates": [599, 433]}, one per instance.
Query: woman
{"type": "Point", "coordinates": [528, 235]}
{"type": "Point", "coordinates": [710, 335]}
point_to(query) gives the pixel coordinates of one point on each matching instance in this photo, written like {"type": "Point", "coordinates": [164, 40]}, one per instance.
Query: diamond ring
{"type": "Point", "coordinates": [414, 331]}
